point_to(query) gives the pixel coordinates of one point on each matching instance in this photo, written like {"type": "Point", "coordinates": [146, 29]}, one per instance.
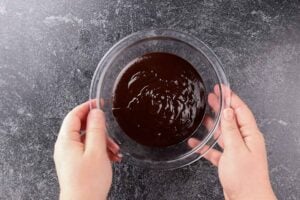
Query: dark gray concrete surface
{"type": "Point", "coordinates": [49, 50]}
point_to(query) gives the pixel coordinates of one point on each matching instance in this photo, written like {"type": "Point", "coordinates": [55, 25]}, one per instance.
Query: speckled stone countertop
{"type": "Point", "coordinates": [49, 50]}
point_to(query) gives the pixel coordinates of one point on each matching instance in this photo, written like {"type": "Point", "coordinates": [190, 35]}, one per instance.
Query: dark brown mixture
{"type": "Point", "coordinates": [159, 99]}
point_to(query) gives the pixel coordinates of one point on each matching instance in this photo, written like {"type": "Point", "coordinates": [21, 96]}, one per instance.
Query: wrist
{"type": "Point", "coordinates": [266, 194]}
{"type": "Point", "coordinates": [75, 195]}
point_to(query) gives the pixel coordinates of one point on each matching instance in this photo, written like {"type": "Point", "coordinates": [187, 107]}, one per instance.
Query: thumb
{"type": "Point", "coordinates": [231, 133]}
{"type": "Point", "coordinates": [95, 140]}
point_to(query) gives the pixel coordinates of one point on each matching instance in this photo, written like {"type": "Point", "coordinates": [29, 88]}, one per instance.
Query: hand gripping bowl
{"type": "Point", "coordinates": [207, 65]}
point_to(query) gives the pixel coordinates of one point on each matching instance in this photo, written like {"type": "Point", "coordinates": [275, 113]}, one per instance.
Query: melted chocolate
{"type": "Point", "coordinates": [159, 99]}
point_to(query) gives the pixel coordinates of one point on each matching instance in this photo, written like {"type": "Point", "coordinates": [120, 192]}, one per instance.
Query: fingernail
{"type": "Point", "coordinates": [227, 101]}
{"type": "Point", "coordinates": [120, 155]}
{"type": "Point", "coordinates": [228, 114]}
{"type": "Point", "coordinates": [94, 110]}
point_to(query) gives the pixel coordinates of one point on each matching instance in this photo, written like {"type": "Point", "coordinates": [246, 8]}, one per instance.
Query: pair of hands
{"type": "Point", "coordinates": [83, 162]}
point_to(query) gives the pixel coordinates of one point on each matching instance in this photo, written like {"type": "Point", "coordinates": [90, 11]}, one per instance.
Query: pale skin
{"type": "Point", "coordinates": [84, 169]}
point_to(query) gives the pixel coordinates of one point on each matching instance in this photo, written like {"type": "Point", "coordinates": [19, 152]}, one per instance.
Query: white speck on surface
{"type": "Point", "coordinates": [284, 123]}
{"type": "Point", "coordinates": [159, 13]}
{"type": "Point", "coordinates": [21, 111]}
{"type": "Point", "coordinates": [100, 19]}
{"type": "Point", "coordinates": [273, 120]}
{"type": "Point", "coordinates": [117, 11]}
{"type": "Point", "coordinates": [100, 23]}
{"type": "Point", "coordinates": [261, 14]}
{"type": "Point", "coordinates": [131, 23]}
{"type": "Point", "coordinates": [3, 10]}
{"type": "Point", "coordinates": [67, 19]}
{"type": "Point", "coordinates": [94, 22]}
{"type": "Point", "coordinates": [31, 10]}
{"type": "Point", "coordinates": [11, 172]}
{"type": "Point", "coordinates": [253, 12]}
{"type": "Point", "coordinates": [29, 115]}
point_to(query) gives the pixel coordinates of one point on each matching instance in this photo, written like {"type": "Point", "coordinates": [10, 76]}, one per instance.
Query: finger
{"type": "Point", "coordinates": [72, 123]}
{"type": "Point", "coordinates": [114, 149]}
{"type": "Point", "coordinates": [220, 139]}
{"type": "Point", "coordinates": [112, 146]}
{"type": "Point", "coordinates": [102, 102]}
{"type": "Point", "coordinates": [209, 124]}
{"type": "Point", "coordinates": [212, 155]}
{"type": "Point", "coordinates": [245, 117]}
{"type": "Point", "coordinates": [113, 157]}
{"type": "Point", "coordinates": [96, 132]}
{"type": "Point", "coordinates": [231, 135]}
{"type": "Point", "coordinates": [226, 93]}
{"type": "Point", "coordinates": [208, 153]}
{"type": "Point", "coordinates": [93, 104]}
{"type": "Point", "coordinates": [213, 101]}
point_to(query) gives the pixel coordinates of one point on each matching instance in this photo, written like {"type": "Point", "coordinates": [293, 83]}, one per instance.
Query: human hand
{"type": "Point", "coordinates": [83, 162]}
{"type": "Point", "coordinates": [242, 166]}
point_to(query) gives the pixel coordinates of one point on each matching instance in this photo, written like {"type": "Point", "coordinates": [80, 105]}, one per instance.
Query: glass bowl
{"type": "Point", "coordinates": [196, 53]}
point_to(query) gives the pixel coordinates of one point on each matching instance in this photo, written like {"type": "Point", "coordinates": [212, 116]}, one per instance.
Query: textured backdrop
{"type": "Point", "coordinates": [49, 50]}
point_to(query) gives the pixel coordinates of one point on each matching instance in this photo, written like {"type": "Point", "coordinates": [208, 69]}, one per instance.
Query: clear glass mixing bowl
{"type": "Point", "coordinates": [205, 62]}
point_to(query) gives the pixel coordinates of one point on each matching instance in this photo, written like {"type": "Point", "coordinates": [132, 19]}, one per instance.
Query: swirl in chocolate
{"type": "Point", "coordinates": [159, 99]}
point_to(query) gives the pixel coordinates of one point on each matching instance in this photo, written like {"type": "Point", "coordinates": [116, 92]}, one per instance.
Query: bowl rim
{"type": "Point", "coordinates": [191, 40]}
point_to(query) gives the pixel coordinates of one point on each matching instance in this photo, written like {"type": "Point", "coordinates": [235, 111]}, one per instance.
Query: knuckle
{"type": "Point", "coordinates": [95, 154]}
{"type": "Point", "coordinates": [95, 129]}
{"type": "Point", "coordinates": [231, 128]}
{"type": "Point", "coordinates": [259, 136]}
